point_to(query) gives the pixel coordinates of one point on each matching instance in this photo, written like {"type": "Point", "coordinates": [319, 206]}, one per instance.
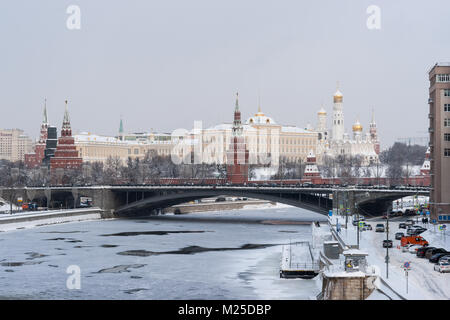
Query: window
{"type": "Point", "coordinates": [446, 152]}
{"type": "Point", "coordinates": [447, 92]}
{"type": "Point", "coordinates": [443, 78]}
{"type": "Point", "coordinates": [446, 136]}
{"type": "Point", "coordinates": [447, 107]}
{"type": "Point", "coordinates": [446, 122]}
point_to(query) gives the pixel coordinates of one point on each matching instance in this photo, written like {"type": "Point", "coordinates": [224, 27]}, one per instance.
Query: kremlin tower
{"type": "Point", "coordinates": [66, 154]}
{"type": "Point", "coordinates": [34, 160]}
{"type": "Point", "coordinates": [237, 154]}
{"type": "Point", "coordinates": [311, 169]}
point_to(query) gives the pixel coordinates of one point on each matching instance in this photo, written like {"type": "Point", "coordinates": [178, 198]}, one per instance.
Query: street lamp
{"type": "Point", "coordinates": [387, 245]}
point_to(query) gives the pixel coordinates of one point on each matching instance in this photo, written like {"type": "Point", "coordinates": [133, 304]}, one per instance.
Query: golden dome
{"type": "Point", "coordinates": [322, 112]}
{"type": "Point", "coordinates": [357, 126]}
{"type": "Point", "coordinates": [338, 97]}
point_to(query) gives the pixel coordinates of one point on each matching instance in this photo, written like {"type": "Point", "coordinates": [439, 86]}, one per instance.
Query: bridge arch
{"type": "Point", "coordinates": [143, 206]}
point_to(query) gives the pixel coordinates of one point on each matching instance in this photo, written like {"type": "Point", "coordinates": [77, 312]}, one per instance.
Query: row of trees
{"type": "Point", "coordinates": [395, 163]}
{"type": "Point", "coordinates": [113, 171]}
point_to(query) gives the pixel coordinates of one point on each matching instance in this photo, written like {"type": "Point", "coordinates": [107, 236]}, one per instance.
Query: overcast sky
{"type": "Point", "coordinates": [164, 64]}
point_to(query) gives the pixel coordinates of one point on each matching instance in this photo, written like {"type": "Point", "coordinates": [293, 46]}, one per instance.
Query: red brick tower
{"type": "Point", "coordinates": [237, 154]}
{"type": "Point", "coordinates": [66, 154]}
{"type": "Point", "coordinates": [311, 169]}
{"type": "Point", "coordinates": [34, 160]}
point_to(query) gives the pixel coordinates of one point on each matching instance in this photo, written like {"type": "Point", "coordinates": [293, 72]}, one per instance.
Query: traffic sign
{"type": "Point", "coordinates": [330, 213]}
{"type": "Point", "coordinates": [407, 265]}
{"type": "Point", "coordinates": [428, 213]}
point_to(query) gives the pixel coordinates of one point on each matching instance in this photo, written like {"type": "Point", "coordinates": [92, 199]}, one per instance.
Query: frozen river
{"type": "Point", "coordinates": [216, 255]}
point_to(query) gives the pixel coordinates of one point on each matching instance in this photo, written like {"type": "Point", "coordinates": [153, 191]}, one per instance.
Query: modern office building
{"type": "Point", "coordinates": [14, 144]}
{"type": "Point", "coordinates": [439, 116]}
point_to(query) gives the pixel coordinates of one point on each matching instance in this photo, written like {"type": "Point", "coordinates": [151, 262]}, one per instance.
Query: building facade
{"type": "Point", "coordinates": [439, 116]}
{"type": "Point", "coordinates": [14, 144]}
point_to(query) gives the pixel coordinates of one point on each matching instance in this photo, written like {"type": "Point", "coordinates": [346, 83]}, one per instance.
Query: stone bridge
{"type": "Point", "coordinates": [143, 199]}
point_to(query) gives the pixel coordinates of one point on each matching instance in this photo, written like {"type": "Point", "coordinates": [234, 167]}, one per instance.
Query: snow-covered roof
{"type": "Point", "coordinates": [294, 129]}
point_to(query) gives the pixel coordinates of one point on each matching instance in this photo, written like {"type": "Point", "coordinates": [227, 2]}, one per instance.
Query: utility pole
{"type": "Point", "coordinates": [357, 226]}
{"type": "Point", "coordinates": [387, 246]}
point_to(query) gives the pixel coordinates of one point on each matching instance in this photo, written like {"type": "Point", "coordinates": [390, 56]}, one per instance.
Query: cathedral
{"type": "Point", "coordinates": [337, 141]}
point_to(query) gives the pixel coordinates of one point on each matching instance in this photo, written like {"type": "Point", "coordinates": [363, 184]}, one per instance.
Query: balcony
{"type": "Point", "coordinates": [430, 101]}
{"type": "Point", "coordinates": [430, 116]}
{"type": "Point", "coordinates": [430, 130]}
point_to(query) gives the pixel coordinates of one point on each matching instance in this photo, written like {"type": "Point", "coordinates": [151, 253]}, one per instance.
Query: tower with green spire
{"type": "Point", "coordinates": [121, 129]}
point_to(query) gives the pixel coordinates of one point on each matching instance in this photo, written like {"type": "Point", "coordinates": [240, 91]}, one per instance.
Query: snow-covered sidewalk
{"type": "Point", "coordinates": [423, 281]}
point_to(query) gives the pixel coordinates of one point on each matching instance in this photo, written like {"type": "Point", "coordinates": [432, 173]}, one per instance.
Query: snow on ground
{"type": "Point", "coordinates": [264, 173]}
{"type": "Point", "coordinates": [5, 206]}
{"type": "Point", "coordinates": [41, 218]}
{"type": "Point", "coordinates": [265, 206]}
{"type": "Point", "coordinates": [423, 281]}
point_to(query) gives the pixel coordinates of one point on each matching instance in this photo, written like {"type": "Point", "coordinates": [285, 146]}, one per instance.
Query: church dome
{"type": "Point", "coordinates": [357, 127]}
{"type": "Point", "coordinates": [322, 112]}
{"type": "Point", "coordinates": [260, 118]}
{"type": "Point", "coordinates": [338, 97]}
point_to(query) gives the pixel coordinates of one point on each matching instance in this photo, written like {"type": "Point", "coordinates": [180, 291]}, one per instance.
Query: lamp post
{"type": "Point", "coordinates": [387, 245]}
{"type": "Point", "coordinates": [357, 225]}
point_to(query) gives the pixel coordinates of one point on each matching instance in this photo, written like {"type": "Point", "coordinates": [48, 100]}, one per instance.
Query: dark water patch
{"type": "Point", "coordinates": [53, 266]}
{"type": "Point", "coordinates": [20, 228]}
{"type": "Point", "coordinates": [136, 277]}
{"type": "Point", "coordinates": [9, 270]}
{"type": "Point", "coordinates": [35, 255]}
{"type": "Point", "coordinates": [79, 247]}
{"type": "Point", "coordinates": [288, 231]}
{"type": "Point", "coordinates": [121, 268]}
{"type": "Point", "coordinates": [19, 264]}
{"type": "Point", "coordinates": [134, 290]}
{"type": "Point", "coordinates": [140, 233]}
{"type": "Point", "coordinates": [246, 276]}
{"type": "Point", "coordinates": [70, 240]}
{"type": "Point", "coordinates": [109, 245]}
{"type": "Point", "coordinates": [192, 250]}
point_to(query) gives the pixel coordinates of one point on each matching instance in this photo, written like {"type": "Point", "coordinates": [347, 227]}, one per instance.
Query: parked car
{"type": "Point", "coordinates": [433, 251]}
{"type": "Point", "coordinates": [368, 226]}
{"type": "Point", "coordinates": [442, 266]}
{"type": "Point", "coordinates": [399, 235]}
{"type": "Point", "coordinates": [415, 231]}
{"type": "Point", "coordinates": [436, 257]}
{"type": "Point", "coordinates": [406, 247]}
{"type": "Point", "coordinates": [402, 225]}
{"type": "Point", "coordinates": [414, 248]}
{"type": "Point", "coordinates": [379, 227]}
{"type": "Point", "coordinates": [387, 243]}
{"type": "Point", "coordinates": [421, 251]}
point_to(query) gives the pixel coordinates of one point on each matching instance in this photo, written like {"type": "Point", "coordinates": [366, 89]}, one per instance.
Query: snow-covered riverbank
{"type": "Point", "coordinates": [423, 281]}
